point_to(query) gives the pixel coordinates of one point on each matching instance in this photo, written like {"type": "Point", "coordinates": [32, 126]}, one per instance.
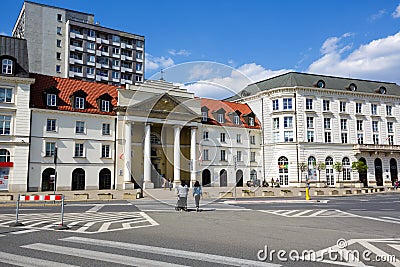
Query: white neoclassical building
{"type": "Point", "coordinates": [314, 119]}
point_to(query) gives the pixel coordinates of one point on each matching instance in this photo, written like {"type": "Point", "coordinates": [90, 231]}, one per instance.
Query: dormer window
{"type": "Point", "coordinates": [382, 90]}
{"type": "Point", "coordinates": [51, 100]}
{"type": "Point", "coordinates": [320, 84]}
{"type": "Point", "coordinates": [221, 118]}
{"type": "Point", "coordinates": [352, 87]}
{"type": "Point", "coordinates": [204, 116]}
{"type": "Point", "coordinates": [251, 121]}
{"type": "Point", "coordinates": [79, 102]}
{"type": "Point", "coordinates": [105, 105]}
{"type": "Point", "coordinates": [6, 66]}
{"type": "Point", "coordinates": [236, 120]}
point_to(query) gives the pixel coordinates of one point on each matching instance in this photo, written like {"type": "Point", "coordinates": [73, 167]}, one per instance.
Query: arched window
{"type": "Point", "coordinates": [7, 66]}
{"type": "Point", "coordinates": [283, 165]}
{"type": "Point", "coordinates": [78, 179]}
{"type": "Point", "coordinates": [312, 172]}
{"type": "Point", "coordinates": [47, 179]}
{"type": "Point", "coordinates": [346, 169]}
{"type": "Point", "coordinates": [330, 179]}
{"type": "Point", "coordinates": [104, 179]}
{"type": "Point", "coordinates": [253, 175]}
{"type": "Point", "coordinates": [4, 155]}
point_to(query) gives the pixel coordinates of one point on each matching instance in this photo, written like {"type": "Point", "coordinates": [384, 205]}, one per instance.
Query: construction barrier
{"type": "Point", "coordinates": [41, 198]}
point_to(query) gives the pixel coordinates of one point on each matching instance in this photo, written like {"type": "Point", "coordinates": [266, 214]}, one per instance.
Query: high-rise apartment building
{"type": "Point", "coordinates": [69, 44]}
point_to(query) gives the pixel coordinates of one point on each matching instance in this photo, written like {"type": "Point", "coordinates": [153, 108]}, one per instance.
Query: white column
{"type": "Point", "coordinates": [127, 153]}
{"type": "Point", "coordinates": [147, 158]}
{"type": "Point", "coordinates": [177, 155]}
{"type": "Point", "coordinates": [193, 162]}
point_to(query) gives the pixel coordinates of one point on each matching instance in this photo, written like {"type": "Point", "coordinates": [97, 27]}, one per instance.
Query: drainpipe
{"type": "Point", "coordinates": [297, 137]}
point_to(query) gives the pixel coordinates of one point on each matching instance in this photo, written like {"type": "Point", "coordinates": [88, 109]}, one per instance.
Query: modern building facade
{"type": "Point", "coordinates": [15, 119]}
{"type": "Point", "coordinates": [67, 43]}
{"type": "Point", "coordinates": [72, 134]}
{"type": "Point", "coordinates": [313, 119]}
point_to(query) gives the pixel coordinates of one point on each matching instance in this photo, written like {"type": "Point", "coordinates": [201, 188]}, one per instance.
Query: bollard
{"type": "Point", "coordinates": [17, 223]}
{"type": "Point", "coordinates": [138, 193]}
{"type": "Point", "coordinates": [62, 226]}
{"type": "Point", "coordinates": [307, 193]}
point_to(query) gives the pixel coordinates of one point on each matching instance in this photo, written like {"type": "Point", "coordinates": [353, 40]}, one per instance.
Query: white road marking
{"type": "Point", "coordinates": [24, 231]}
{"type": "Point", "coordinates": [96, 208]}
{"type": "Point", "coordinates": [19, 260]}
{"type": "Point", "coordinates": [391, 218]}
{"type": "Point", "coordinates": [97, 255]}
{"type": "Point", "coordinates": [301, 213]}
{"type": "Point", "coordinates": [169, 252]}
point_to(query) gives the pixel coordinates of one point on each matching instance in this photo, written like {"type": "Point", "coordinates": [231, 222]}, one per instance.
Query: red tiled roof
{"type": "Point", "coordinates": [215, 105]}
{"type": "Point", "coordinates": [67, 87]}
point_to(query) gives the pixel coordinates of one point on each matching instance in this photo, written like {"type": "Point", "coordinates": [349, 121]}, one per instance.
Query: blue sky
{"type": "Point", "coordinates": [251, 40]}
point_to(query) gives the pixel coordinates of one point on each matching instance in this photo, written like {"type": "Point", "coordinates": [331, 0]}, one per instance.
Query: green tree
{"type": "Point", "coordinates": [359, 166]}
{"type": "Point", "coordinates": [338, 167]}
{"type": "Point", "coordinates": [302, 167]}
{"type": "Point", "coordinates": [320, 167]}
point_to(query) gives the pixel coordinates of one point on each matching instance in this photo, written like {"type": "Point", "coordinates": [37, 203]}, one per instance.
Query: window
{"type": "Point", "coordinates": [343, 124]}
{"type": "Point", "coordinates": [205, 154]}
{"type": "Point", "coordinates": [79, 102]}
{"type": "Point", "coordinates": [50, 148]}
{"type": "Point", "coordinates": [80, 127]}
{"type": "Point", "coordinates": [6, 95]}
{"type": "Point", "coordinates": [342, 106]}
{"type": "Point", "coordinates": [276, 137]}
{"type": "Point", "coordinates": [390, 139]}
{"type": "Point", "coordinates": [105, 151]}
{"type": "Point", "coordinates": [309, 104]}
{"type": "Point", "coordinates": [205, 135]}
{"type": "Point", "coordinates": [310, 122]}
{"type": "Point", "coordinates": [236, 119]}
{"type": "Point", "coordinates": [346, 169]}
{"type": "Point", "coordinates": [59, 30]}
{"type": "Point", "coordinates": [91, 58]}
{"type": "Point", "coordinates": [360, 138]}
{"type": "Point", "coordinates": [221, 118]}
{"type": "Point", "coordinates": [105, 129]}
{"type": "Point", "coordinates": [310, 136]}
{"type": "Point", "coordinates": [139, 55]}
{"type": "Point", "coordinates": [326, 105]}
{"type": "Point", "coordinates": [330, 179]}
{"type": "Point", "coordinates": [375, 126]}
{"type": "Point", "coordinates": [283, 165]}
{"type": "Point", "coordinates": [251, 121]}
{"type": "Point", "coordinates": [288, 122]}
{"type": "Point", "coordinates": [91, 33]}
{"type": "Point", "coordinates": [204, 116]}
{"type": "Point", "coordinates": [238, 155]}
{"type": "Point", "coordinates": [116, 38]}
{"type": "Point", "coordinates": [139, 66]}
{"type": "Point", "coordinates": [275, 104]}
{"type": "Point", "coordinates": [115, 62]}
{"type": "Point", "coordinates": [287, 103]}
{"type": "Point", "coordinates": [327, 123]}
{"type": "Point", "coordinates": [222, 137]}
{"type": "Point", "coordinates": [5, 125]}
{"type": "Point", "coordinates": [374, 108]}
{"type": "Point", "coordinates": [252, 139]}
{"type": "Point", "coordinates": [77, 69]}
{"type": "Point", "coordinates": [51, 125]}
{"type": "Point", "coordinates": [139, 43]}
{"type": "Point", "coordinates": [358, 108]}
{"type": "Point", "coordinates": [138, 78]}
{"type": "Point", "coordinates": [58, 55]}
{"type": "Point", "coordinates": [79, 150]}
{"type": "Point", "coordinates": [59, 17]}
{"type": "Point", "coordinates": [390, 126]}
{"type": "Point", "coordinates": [344, 138]}
{"type": "Point", "coordinates": [105, 105]}
{"type": "Point", "coordinates": [115, 75]}
{"type": "Point", "coordinates": [239, 138]}
{"type": "Point", "coordinates": [389, 110]}
{"type": "Point", "coordinates": [4, 155]}
{"type": "Point", "coordinates": [359, 125]}
{"type": "Point", "coordinates": [116, 50]}
{"type": "Point", "coordinates": [51, 100]}
{"type": "Point", "coordinates": [288, 136]}
{"type": "Point", "coordinates": [375, 138]}
{"type": "Point", "coordinates": [90, 45]}
{"type": "Point", "coordinates": [77, 56]}
{"type": "Point", "coordinates": [89, 71]}
{"type": "Point", "coordinates": [223, 155]}
{"type": "Point", "coordinates": [252, 156]}
{"type": "Point", "coordinates": [58, 68]}
{"type": "Point", "coordinates": [275, 123]}
{"type": "Point", "coordinates": [7, 66]}
{"type": "Point", "coordinates": [58, 43]}
{"type": "Point", "coordinates": [328, 137]}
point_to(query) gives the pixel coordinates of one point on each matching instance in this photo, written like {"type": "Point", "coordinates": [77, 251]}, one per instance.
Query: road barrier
{"type": "Point", "coordinates": [41, 198]}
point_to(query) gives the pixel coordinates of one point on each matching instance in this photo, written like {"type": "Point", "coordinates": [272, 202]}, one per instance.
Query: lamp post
{"type": "Point", "coordinates": [235, 167]}
{"type": "Point", "coordinates": [55, 169]}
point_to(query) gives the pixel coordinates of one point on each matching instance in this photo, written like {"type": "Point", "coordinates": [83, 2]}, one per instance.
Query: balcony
{"type": "Point", "coordinates": [105, 41]}
{"type": "Point", "coordinates": [75, 61]}
{"type": "Point", "coordinates": [139, 48]}
{"type": "Point", "coordinates": [98, 53]}
{"type": "Point", "coordinates": [90, 76]}
{"type": "Point", "coordinates": [129, 46]}
{"type": "Point", "coordinates": [76, 35]}
{"type": "Point", "coordinates": [123, 69]}
{"type": "Point", "coordinates": [372, 148]}
{"type": "Point", "coordinates": [75, 74]}
{"type": "Point", "coordinates": [116, 44]}
{"type": "Point", "coordinates": [91, 38]}
{"type": "Point", "coordinates": [105, 54]}
{"type": "Point", "coordinates": [123, 81]}
{"type": "Point", "coordinates": [116, 55]}
{"type": "Point", "coordinates": [123, 45]}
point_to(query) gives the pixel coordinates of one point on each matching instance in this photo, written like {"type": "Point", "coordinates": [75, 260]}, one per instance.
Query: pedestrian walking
{"type": "Point", "coordinates": [197, 193]}
{"type": "Point", "coordinates": [308, 183]}
{"type": "Point", "coordinates": [272, 182]}
{"type": "Point", "coordinates": [182, 191]}
{"type": "Point", "coordinates": [169, 184]}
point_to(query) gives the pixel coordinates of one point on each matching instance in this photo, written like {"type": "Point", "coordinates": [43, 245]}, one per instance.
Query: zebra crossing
{"type": "Point", "coordinates": [105, 252]}
{"type": "Point", "coordinates": [88, 223]}
{"type": "Point", "coordinates": [310, 213]}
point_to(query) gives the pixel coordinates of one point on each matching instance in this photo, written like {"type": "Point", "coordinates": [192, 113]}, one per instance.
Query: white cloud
{"type": "Point", "coordinates": [181, 52]}
{"type": "Point", "coordinates": [378, 15]}
{"type": "Point", "coordinates": [153, 63]}
{"type": "Point", "coordinates": [377, 60]}
{"type": "Point", "coordinates": [396, 13]}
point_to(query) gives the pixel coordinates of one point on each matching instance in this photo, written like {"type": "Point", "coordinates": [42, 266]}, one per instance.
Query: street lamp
{"type": "Point", "coordinates": [235, 167]}
{"type": "Point", "coordinates": [55, 169]}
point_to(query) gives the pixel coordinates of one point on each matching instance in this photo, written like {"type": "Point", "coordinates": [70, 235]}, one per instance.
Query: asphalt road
{"type": "Point", "coordinates": [150, 233]}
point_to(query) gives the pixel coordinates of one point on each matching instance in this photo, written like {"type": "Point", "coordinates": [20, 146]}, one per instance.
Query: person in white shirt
{"type": "Point", "coordinates": [182, 191]}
